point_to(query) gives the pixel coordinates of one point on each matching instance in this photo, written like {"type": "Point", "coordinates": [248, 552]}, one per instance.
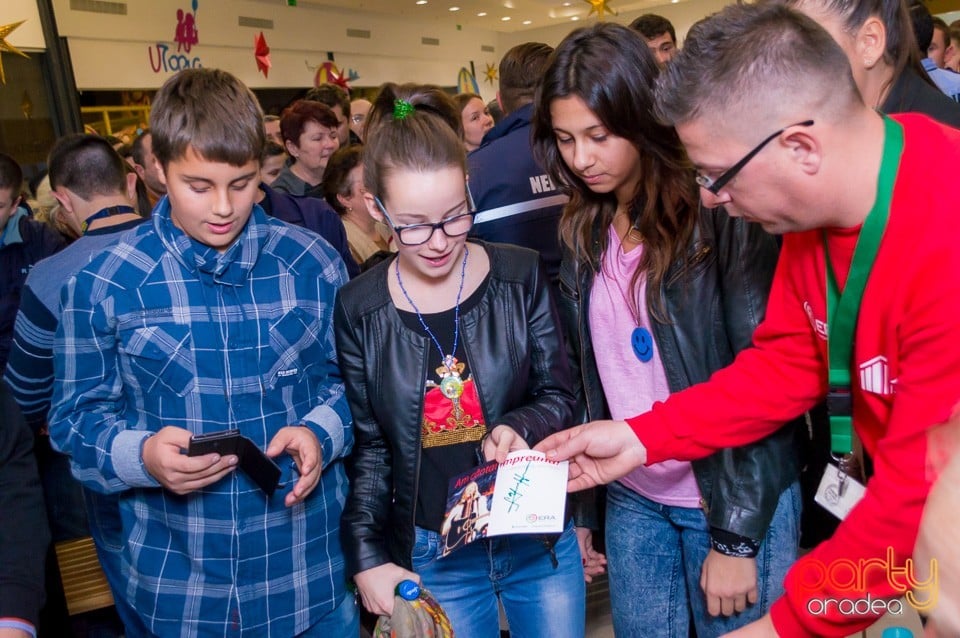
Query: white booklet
{"type": "Point", "coordinates": [526, 494]}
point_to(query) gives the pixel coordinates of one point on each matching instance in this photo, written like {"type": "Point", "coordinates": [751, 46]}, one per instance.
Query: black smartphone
{"type": "Point", "coordinates": [259, 467]}
{"type": "Point", "coordinates": [251, 459]}
{"type": "Point", "coordinates": [223, 443]}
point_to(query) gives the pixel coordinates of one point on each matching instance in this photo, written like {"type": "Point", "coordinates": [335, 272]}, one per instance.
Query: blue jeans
{"type": "Point", "coordinates": [342, 621]}
{"type": "Point", "coordinates": [542, 594]}
{"type": "Point", "coordinates": [654, 556]}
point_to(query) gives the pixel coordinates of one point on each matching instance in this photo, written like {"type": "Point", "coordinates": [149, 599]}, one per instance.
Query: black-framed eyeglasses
{"type": "Point", "coordinates": [419, 234]}
{"type": "Point", "coordinates": [714, 185]}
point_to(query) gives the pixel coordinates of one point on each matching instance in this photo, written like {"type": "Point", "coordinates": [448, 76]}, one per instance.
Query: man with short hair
{"type": "Point", "coordinates": [516, 201]}
{"type": "Point", "coordinates": [339, 102]}
{"type": "Point", "coordinates": [95, 194]}
{"type": "Point", "coordinates": [145, 163]}
{"type": "Point", "coordinates": [660, 36]}
{"type": "Point", "coordinates": [23, 242]}
{"type": "Point", "coordinates": [939, 47]}
{"type": "Point", "coordinates": [271, 126]}
{"type": "Point", "coordinates": [870, 227]}
{"type": "Point", "coordinates": [933, 38]}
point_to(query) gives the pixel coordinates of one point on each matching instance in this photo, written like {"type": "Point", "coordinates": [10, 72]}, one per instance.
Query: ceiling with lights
{"type": "Point", "coordinates": [495, 15]}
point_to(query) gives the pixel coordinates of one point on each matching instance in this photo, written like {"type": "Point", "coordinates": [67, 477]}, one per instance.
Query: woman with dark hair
{"type": "Point", "coordinates": [343, 190]}
{"type": "Point", "coordinates": [657, 293]}
{"type": "Point", "coordinates": [476, 119]}
{"type": "Point", "coordinates": [309, 131]}
{"type": "Point", "coordinates": [878, 38]}
{"type": "Point", "coordinates": [451, 355]}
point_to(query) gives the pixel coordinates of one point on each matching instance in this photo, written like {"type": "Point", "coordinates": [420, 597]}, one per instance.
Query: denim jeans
{"type": "Point", "coordinates": [655, 553]}
{"type": "Point", "coordinates": [342, 621]}
{"type": "Point", "coordinates": [542, 594]}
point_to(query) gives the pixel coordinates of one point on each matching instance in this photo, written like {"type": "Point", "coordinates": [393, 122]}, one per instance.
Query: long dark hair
{"type": "Point", "coordinates": [610, 68]}
{"type": "Point", "coordinates": [901, 52]}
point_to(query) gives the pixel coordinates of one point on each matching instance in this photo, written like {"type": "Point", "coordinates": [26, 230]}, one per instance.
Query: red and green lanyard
{"type": "Point", "coordinates": [844, 308]}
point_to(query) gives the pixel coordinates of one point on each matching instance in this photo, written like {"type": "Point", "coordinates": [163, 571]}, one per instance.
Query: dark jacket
{"type": "Point", "coordinates": [28, 242]}
{"type": "Point", "coordinates": [714, 298]}
{"type": "Point", "coordinates": [313, 214]}
{"type": "Point", "coordinates": [512, 340]}
{"type": "Point", "coordinates": [516, 201]}
{"type": "Point", "coordinates": [24, 534]}
{"type": "Point", "coordinates": [912, 94]}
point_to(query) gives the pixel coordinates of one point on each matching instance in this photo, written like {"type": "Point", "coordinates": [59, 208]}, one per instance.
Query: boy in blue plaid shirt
{"type": "Point", "coordinates": [211, 316]}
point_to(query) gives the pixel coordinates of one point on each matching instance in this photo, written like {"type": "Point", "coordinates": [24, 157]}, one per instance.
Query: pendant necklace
{"type": "Point", "coordinates": [451, 384]}
{"type": "Point", "coordinates": [641, 341]}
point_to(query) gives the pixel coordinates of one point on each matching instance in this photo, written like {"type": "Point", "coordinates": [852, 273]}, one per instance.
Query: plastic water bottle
{"type": "Point", "coordinates": [409, 590]}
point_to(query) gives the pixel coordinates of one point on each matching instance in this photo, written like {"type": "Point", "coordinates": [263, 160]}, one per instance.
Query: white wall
{"type": "Point", "coordinates": [112, 52]}
{"type": "Point", "coordinates": [29, 35]}
{"type": "Point", "coordinates": [682, 15]}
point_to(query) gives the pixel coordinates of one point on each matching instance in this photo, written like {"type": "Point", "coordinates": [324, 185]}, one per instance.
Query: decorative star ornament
{"type": "Point", "coordinates": [491, 73]}
{"type": "Point", "coordinates": [5, 46]}
{"type": "Point", "coordinates": [261, 51]}
{"type": "Point", "coordinates": [599, 7]}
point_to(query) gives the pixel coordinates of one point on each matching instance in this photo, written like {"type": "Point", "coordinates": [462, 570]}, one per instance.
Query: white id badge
{"type": "Point", "coordinates": [829, 497]}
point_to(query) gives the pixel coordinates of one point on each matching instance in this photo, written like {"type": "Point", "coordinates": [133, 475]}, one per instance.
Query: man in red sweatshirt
{"type": "Point", "coordinates": [786, 141]}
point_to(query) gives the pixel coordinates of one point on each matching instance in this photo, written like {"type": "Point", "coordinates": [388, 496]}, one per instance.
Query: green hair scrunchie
{"type": "Point", "coordinates": [402, 109]}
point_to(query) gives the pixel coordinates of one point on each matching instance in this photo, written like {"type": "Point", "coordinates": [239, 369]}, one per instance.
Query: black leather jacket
{"type": "Point", "coordinates": [714, 297]}
{"type": "Point", "coordinates": [512, 339]}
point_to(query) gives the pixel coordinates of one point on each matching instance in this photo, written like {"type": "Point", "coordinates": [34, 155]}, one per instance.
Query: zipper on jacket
{"type": "Point", "coordinates": [416, 475]}
{"type": "Point", "coordinates": [580, 321]}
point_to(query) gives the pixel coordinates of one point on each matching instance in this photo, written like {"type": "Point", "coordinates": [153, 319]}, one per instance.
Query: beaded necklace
{"type": "Point", "coordinates": [451, 385]}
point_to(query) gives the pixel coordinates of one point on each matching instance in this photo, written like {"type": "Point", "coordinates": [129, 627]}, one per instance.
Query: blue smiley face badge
{"type": "Point", "coordinates": [642, 342]}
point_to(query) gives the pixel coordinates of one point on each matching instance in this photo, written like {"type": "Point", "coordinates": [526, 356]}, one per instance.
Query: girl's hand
{"type": "Point", "coordinates": [378, 585]}
{"type": "Point", "coordinates": [594, 563]}
{"type": "Point", "coordinates": [500, 441]}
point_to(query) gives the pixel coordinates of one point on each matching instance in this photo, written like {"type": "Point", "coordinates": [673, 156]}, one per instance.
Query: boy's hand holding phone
{"type": "Point", "coordinates": [302, 445]}
{"type": "Point", "coordinates": [179, 473]}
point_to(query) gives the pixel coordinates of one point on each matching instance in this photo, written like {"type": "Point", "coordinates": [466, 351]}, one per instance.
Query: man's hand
{"type": "Point", "coordinates": [729, 582]}
{"type": "Point", "coordinates": [593, 561]}
{"type": "Point", "coordinates": [377, 586]}
{"type": "Point", "coordinates": [599, 452]}
{"type": "Point", "coordinates": [302, 445]}
{"type": "Point", "coordinates": [762, 628]}
{"type": "Point", "coordinates": [179, 473]}
{"type": "Point", "coordinates": [502, 440]}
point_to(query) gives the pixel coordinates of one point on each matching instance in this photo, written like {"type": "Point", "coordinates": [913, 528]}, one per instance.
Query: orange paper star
{"type": "Point", "coordinates": [491, 73]}
{"type": "Point", "coordinates": [7, 47]}
{"type": "Point", "coordinates": [599, 7]}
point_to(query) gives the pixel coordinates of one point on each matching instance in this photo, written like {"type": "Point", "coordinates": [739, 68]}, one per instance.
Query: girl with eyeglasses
{"type": "Point", "coordinates": [451, 355]}
{"type": "Point", "coordinates": [657, 294]}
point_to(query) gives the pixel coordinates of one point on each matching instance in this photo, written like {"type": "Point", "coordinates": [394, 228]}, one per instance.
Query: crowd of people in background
{"type": "Point", "coordinates": [608, 263]}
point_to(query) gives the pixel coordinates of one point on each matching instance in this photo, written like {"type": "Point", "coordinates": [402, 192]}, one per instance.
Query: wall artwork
{"type": "Point", "coordinates": [186, 35]}
{"type": "Point", "coordinates": [6, 47]}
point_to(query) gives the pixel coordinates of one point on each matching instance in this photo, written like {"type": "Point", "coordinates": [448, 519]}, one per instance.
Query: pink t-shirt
{"type": "Point", "coordinates": [629, 385]}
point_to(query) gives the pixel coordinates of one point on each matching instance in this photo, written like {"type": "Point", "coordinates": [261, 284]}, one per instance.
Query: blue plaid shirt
{"type": "Point", "coordinates": [161, 330]}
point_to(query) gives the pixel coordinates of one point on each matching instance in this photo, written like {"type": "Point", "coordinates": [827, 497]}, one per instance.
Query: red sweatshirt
{"type": "Point", "coordinates": [907, 355]}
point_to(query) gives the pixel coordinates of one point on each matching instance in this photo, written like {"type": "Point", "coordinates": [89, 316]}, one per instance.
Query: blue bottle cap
{"type": "Point", "coordinates": [896, 632]}
{"type": "Point", "coordinates": [408, 590]}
